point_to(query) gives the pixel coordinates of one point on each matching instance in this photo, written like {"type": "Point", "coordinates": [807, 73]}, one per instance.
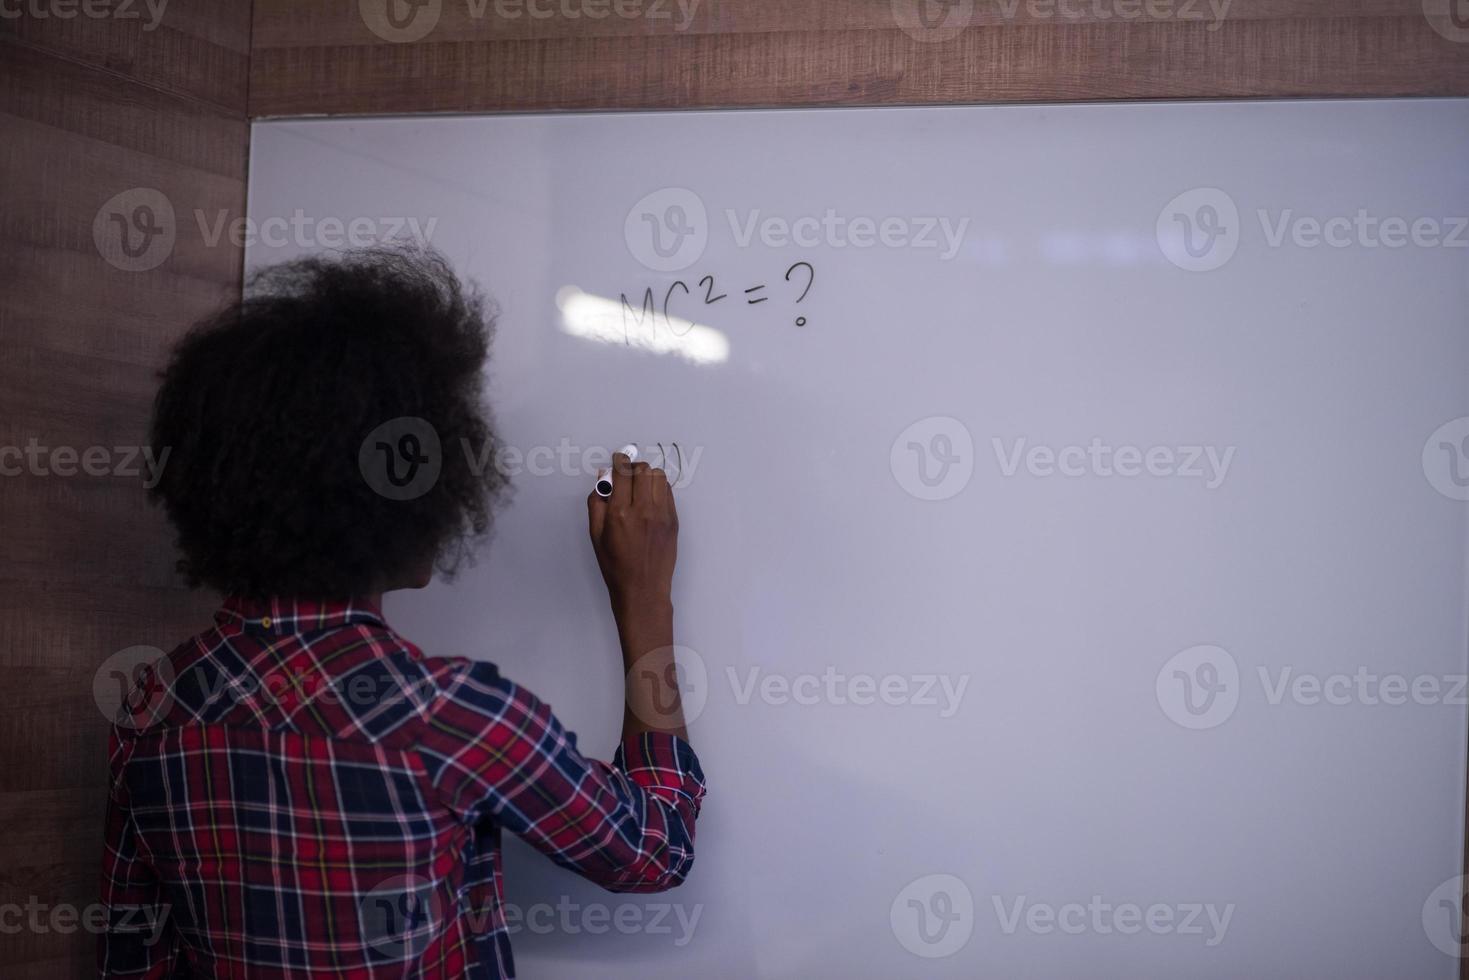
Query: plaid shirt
{"type": "Point", "coordinates": [299, 791]}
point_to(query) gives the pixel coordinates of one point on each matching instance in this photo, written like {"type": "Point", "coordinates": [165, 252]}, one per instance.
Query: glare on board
{"type": "Point", "coordinates": [604, 320]}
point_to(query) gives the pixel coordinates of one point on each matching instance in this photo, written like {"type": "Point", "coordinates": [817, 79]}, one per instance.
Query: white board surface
{"type": "Point", "coordinates": [1067, 337]}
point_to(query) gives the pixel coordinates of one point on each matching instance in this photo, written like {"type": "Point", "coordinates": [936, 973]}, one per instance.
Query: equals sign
{"type": "Point", "coordinates": [753, 289]}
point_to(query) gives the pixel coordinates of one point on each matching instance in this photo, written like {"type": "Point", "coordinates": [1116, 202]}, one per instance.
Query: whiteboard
{"type": "Point", "coordinates": [1078, 589]}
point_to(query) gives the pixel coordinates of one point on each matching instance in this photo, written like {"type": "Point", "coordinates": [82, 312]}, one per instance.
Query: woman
{"type": "Point", "coordinates": [299, 789]}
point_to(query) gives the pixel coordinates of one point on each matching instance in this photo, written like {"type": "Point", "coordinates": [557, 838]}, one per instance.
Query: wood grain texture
{"type": "Point", "coordinates": [324, 57]}
{"type": "Point", "coordinates": [91, 108]}
{"type": "Point", "coordinates": [189, 48]}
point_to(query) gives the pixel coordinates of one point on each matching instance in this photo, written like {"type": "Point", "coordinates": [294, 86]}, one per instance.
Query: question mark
{"type": "Point", "coordinates": [811, 277]}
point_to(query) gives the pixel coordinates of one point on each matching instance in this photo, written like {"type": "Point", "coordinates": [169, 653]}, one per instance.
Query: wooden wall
{"type": "Point", "coordinates": [342, 56]}
{"type": "Point", "coordinates": [92, 108]}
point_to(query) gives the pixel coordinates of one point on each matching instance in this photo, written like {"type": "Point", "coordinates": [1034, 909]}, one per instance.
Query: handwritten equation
{"type": "Point", "coordinates": [681, 306]}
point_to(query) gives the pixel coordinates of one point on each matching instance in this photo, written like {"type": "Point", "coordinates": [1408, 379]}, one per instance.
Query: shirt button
{"type": "Point", "coordinates": [266, 621]}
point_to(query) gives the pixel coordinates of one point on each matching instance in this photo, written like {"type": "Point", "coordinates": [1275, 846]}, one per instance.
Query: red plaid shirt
{"type": "Point", "coordinates": [299, 791]}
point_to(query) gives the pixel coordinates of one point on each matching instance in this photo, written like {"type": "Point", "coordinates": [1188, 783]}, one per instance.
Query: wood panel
{"type": "Point", "coordinates": [342, 56]}
{"type": "Point", "coordinates": [93, 108]}
{"type": "Point", "coordinates": [195, 48]}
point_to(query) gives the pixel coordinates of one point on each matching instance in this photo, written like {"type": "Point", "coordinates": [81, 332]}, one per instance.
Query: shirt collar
{"type": "Point", "coordinates": [282, 615]}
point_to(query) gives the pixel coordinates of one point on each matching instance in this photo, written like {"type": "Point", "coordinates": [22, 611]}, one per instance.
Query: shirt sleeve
{"type": "Point", "coordinates": [139, 939]}
{"type": "Point", "coordinates": [501, 755]}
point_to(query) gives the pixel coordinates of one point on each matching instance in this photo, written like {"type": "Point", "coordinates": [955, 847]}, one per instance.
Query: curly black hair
{"type": "Point", "coordinates": [327, 434]}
